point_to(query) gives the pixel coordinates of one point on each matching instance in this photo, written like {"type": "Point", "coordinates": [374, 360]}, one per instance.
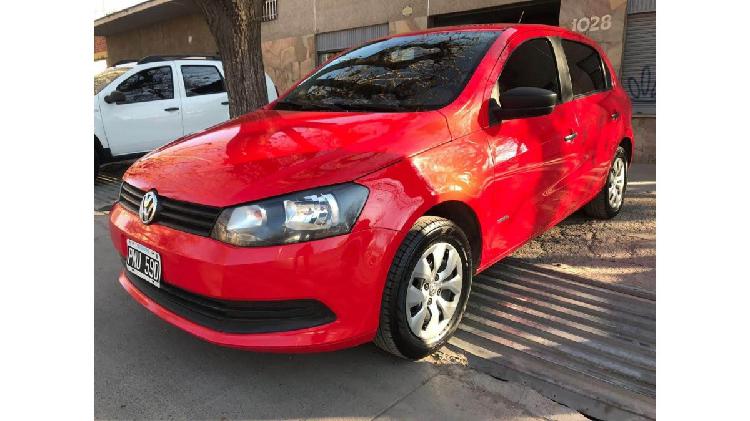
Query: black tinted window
{"type": "Point", "coordinates": [202, 80]}
{"type": "Point", "coordinates": [586, 72]}
{"type": "Point", "coordinates": [148, 85]}
{"type": "Point", "coordinates": [408, 73]}
{"type": "Point", "coordinates": [531, 64]}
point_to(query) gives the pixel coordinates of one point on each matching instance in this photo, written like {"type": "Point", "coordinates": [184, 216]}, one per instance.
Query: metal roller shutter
{"type": "Point", "coordinates": [639, 61]}
{"type": "Point", "coordinates": [328, 43]}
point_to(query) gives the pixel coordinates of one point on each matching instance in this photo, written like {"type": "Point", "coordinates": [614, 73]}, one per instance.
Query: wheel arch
{"type": "Point", "coordinates": [627, 144]}
{"type": "Point", "coordinates": [464, 216]}
{"type": "Point", "coordinates": [104, 153]}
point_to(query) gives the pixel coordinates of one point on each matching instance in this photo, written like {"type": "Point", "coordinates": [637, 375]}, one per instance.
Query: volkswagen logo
{"type": "Point", "coordinates": [148, 208]}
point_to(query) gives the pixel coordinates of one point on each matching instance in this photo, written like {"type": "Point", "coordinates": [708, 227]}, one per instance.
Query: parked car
{"type": "Point", "coordinates": [360, 205]}
{"type": "Point", "coordinates": [138, 107]}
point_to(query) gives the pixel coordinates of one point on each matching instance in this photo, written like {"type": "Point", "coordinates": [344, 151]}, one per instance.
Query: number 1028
{"type": "Point", "coordinates": [592, 23]}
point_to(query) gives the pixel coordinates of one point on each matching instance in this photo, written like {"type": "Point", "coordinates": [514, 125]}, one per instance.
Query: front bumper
{"type": "Point", "coordinates": [344, 274]}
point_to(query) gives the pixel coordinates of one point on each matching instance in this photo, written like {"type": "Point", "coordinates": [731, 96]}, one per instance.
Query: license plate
{"type": "Point", "coordinates": [144, 263]}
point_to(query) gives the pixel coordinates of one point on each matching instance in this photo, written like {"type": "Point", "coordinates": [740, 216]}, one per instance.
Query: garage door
{"type": "Point", "coordinates": [639, 60]}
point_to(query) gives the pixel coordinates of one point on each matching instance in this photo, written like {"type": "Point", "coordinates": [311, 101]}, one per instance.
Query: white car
{"type": "Point", "coordinates": [141, 106]}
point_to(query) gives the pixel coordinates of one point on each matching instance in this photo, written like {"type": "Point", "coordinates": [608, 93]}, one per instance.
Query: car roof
{"type": "Point", "coordinates": [519, 27]}
{"type": "Point", "coordinates": [192, 60]}
{"type": "Point", "coordinates": [488, 27]}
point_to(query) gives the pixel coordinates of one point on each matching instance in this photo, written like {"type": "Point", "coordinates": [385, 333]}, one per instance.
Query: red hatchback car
{"type": "Point", "coordinates": [359, 206]}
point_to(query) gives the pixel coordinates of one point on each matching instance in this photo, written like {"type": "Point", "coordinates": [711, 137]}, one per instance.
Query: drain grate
{"type": "Point", "coordinates": [583, 343]}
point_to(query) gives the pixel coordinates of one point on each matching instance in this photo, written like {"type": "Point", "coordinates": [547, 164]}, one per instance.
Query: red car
{"type": "Point", "coordinates": [359, 206]}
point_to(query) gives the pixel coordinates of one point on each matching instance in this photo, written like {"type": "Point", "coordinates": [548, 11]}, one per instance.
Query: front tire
{"type": "Point", "coordinates": [608, 203]}
{"type": "Point", "coordinates": [427, 288]}
{"type": "Point", "coordinates": [97, 163]}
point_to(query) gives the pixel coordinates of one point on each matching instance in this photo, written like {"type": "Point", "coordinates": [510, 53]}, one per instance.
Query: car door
{"type": "Point", "coordinates": [532, 157]}
{"type": "Point", "coordinates": [597, 113]}
{"type": "Point", "coordinates": [150, 115]}
{"type": "Point", "coordinates": [205, 101]}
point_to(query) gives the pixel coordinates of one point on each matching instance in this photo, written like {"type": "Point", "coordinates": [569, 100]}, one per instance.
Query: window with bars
{"type": "Point", "coordinates": [270, 11]}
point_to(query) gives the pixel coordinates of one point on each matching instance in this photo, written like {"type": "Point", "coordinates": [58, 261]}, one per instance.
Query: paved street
{"type": "Point", "coordinates": [619, 251]}
{"type": "Point", "coordinates": [572, 308]}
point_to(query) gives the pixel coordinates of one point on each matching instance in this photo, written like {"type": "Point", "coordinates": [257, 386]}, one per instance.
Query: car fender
{"type": "Point", "coordinates": [99, 132]}
{"type": "Point", "coordinates": [405, 191]}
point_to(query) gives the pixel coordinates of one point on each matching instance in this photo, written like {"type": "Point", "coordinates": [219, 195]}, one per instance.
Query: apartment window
{"type": "Point", "coordinates": [328, 44]}
{"type": "Point", "coordinates": [270, 11]}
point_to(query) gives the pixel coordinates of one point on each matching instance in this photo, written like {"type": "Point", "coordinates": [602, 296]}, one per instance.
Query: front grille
{"type": "Point", "coordinates": [183, 216]}
{"type": "Point", "coordinates": [237, 316]}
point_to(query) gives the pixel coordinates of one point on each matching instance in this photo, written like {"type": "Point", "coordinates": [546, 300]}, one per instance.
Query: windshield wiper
{"type": "Point", "coordinates": [308, 106]}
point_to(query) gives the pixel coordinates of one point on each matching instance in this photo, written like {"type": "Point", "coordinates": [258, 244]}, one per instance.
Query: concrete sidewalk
{"type": "Point", "coordinates": [573, 313]}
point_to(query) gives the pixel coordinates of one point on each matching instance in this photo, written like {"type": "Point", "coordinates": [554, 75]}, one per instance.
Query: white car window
{"type": "Point", "coordinates": [148, 85]}
{"type": "Point", "coordinates": [202, 80]}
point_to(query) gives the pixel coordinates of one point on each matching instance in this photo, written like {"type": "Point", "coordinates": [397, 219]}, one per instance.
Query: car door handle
{"type": "Point", "coordinates": [570, 137]}
{"type": "Point", "coordinates": [225, 103]}
{"type": "Point", "coordinates": [172, 109]}
{"type": "Point", "coordinates": [615, 115]}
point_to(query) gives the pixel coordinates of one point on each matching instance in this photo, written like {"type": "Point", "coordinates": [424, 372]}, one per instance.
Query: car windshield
{"type": "Point", "coordinates": [106, 77]}
{"type": "Point", "coordinates": [409, 73]}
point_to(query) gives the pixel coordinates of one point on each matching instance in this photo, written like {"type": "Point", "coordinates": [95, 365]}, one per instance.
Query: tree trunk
{"type": "Point", "coordinates": [235, 24]}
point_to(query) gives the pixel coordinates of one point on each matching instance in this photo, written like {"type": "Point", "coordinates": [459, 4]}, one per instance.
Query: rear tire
{"type": "Point", "coordinates": [96, 163]}
{"type": "Point", "coordinates": [608, 203]}
{"type": "Point", "coordinates": [418, 315]}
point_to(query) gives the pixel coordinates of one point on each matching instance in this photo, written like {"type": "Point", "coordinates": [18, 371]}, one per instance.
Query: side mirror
{"type": "Point", "coordinates": [522, 102]}
{"type": "Point", "coordinates": [115, 97]}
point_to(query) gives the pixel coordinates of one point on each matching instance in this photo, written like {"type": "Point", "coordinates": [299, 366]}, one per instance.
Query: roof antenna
{"type": "Point", "coordinates": [521, 18]}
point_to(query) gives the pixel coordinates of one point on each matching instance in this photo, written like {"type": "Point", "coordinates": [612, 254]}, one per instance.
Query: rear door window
{"type": "Point", "coordinates": [148, 85]}
{"type": "Point", "coordinates": [202, 80]}
{"type": "Point", "coordinates": [585, 65]}
{"type": "Point", "coordinates": [532, 64]}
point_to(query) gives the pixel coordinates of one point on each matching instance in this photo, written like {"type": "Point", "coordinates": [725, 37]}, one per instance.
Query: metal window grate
{"type": "Point", "coordinates": [347, 38]}
{"type": "Point", "coordinates": [270, 11]}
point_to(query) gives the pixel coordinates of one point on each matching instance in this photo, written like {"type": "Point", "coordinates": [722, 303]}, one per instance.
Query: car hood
{"type": "Point", "coordinates": [268, 153]}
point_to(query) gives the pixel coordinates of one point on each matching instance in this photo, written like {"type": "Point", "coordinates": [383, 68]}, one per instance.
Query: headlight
{"type": "Point", "coordinates": [304, 216]}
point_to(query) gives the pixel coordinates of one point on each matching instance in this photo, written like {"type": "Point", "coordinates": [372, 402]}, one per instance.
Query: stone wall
{"type": "Point", "coordinates": [644, 135]}
{"type": "Point", "coordinates": [601, 20]}
{"type": "Point", "coordinates": [287, 60]}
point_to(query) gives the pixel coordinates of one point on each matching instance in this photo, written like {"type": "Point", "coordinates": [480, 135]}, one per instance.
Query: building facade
{"type": "Point", "coordinates": [298, 35]}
